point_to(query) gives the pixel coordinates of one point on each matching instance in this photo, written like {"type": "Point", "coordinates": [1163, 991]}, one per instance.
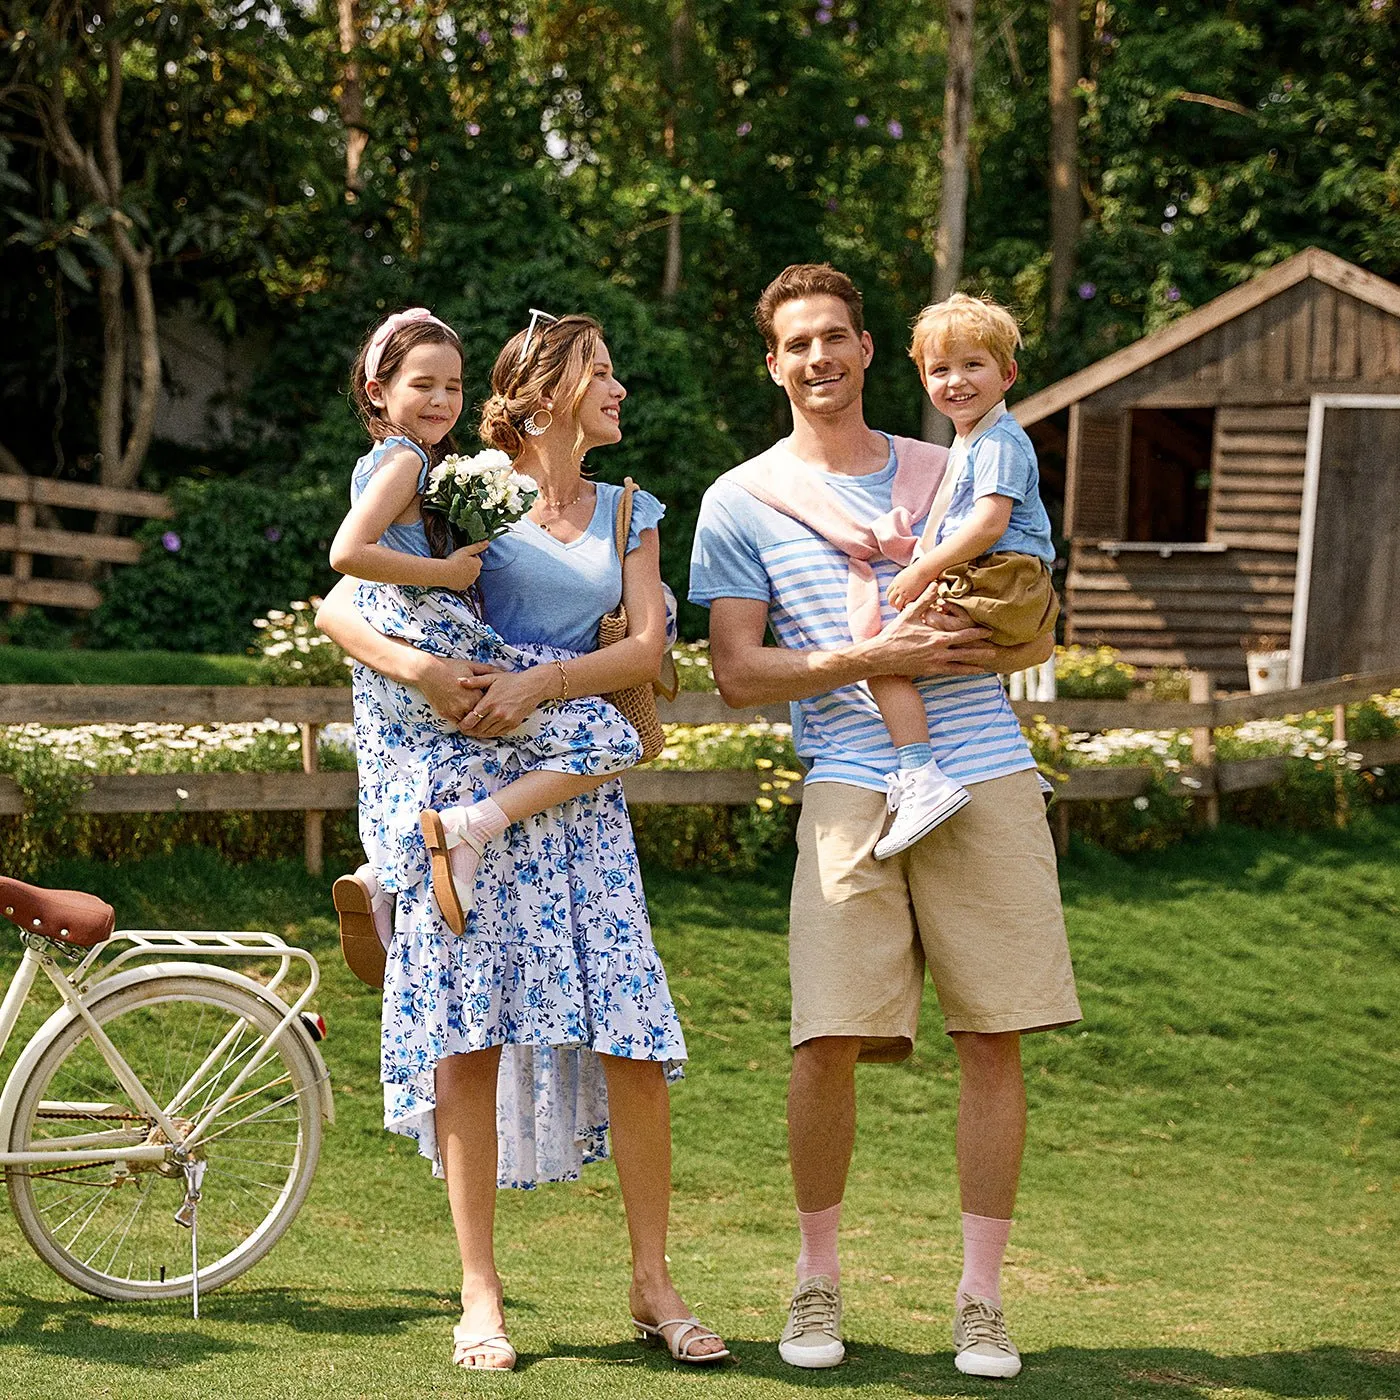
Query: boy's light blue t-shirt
{"type": "Point", "coordinates": [535, 588]}
{"type": "Point", "coordinates": [997, 459]}
{"type": "Point", "coordinates": [746, 549]}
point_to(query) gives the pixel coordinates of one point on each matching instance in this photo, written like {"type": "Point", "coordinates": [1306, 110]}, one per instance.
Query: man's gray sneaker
{"type": "Point", "coordinates": [980, 1344]}
{"type": "Point", "coordinates": [812, 1337]}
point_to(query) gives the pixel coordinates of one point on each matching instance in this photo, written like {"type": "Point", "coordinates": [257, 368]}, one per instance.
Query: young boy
{"type": "Point", "coordinates": [985, 559]}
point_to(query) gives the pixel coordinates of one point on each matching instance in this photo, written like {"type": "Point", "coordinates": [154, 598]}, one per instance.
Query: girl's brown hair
{"type": "Point", "coordinates": [376, 421]}
{"type": "Point", "coordinates": [557, 365]}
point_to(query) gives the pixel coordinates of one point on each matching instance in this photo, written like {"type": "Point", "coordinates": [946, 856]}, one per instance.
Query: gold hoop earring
{"type": "Point", "coordinates": [534, 427]}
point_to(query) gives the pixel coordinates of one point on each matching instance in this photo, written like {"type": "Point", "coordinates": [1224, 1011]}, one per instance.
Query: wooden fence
{"type": "Point", "coordinates": [314, 792]}
{"type": "Point", "coordinates": [23, 539]}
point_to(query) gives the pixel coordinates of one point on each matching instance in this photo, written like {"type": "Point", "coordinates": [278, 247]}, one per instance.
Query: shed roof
{"type": "Point", "coordinates": [1311, 262]}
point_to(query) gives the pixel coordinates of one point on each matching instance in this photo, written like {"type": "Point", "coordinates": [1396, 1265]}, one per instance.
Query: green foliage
{"type": "Point", "coordinates": [25, 666]}
{"type": "Point", "coordinates": [289, 650]}
{"type": "Point", "coordinates": [1092, 673]}
{"type": "Point", "coordinates": [234, 549]}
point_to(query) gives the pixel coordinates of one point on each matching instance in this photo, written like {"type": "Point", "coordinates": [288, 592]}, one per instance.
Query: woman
{"type": "Point", "coordinates": [506, 1052]}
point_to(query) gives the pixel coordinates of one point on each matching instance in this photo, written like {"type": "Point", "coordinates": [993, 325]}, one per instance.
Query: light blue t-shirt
{"type": "Point", "coordinates": [407, 539]}
{"type": "Point", "coordinates": [997, 459]}
{"type": "Point", "coordinates": [746, 549]}
{"type": "Point", "coordinates": [535, 588]}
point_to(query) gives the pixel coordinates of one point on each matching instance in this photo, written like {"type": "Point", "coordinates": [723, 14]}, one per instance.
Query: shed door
{"type": "Point", "coordinates": [1348, 618]}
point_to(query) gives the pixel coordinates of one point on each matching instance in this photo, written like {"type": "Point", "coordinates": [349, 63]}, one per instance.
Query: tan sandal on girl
{"type": "Point", "coordinates": [354, 897]}
{"type": "Point", "coordinates": [445, 894]}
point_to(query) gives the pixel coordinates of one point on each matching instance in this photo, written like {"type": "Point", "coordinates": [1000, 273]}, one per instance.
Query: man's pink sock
{"type": "Point", "coordinates": [984, 1248]}
{"type": "Point", "coordinates": [818, 1252]}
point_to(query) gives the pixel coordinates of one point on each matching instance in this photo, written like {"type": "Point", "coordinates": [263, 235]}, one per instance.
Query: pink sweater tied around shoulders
{"type": "Point", "coordinates": [788, 484]}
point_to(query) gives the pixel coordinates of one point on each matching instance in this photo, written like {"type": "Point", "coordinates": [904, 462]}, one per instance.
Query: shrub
{"type": "Point", "coordinates": [1097, 673]}
{"type": "Point", "coordinates": [233, 550]}
{"type": "Point", "coordinates": [291, 651]}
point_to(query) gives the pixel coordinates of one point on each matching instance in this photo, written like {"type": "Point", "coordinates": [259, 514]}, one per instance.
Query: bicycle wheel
{"type": "Point", "coordinates": [109, 1228]}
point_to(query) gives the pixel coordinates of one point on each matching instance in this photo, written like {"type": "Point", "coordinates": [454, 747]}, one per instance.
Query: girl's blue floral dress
{"type": "Point", "coordinates": [557, 964]}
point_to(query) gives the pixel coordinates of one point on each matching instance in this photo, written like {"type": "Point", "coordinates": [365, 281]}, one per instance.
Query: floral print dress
{"type": "Point", "coordinates": [557, 964]}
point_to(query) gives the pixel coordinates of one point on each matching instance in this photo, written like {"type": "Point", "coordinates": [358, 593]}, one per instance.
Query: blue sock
{"type": "Point", "coordinates": [914, 756]}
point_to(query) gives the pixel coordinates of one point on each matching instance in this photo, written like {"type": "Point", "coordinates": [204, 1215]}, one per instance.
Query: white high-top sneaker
{"type": "Point", "coordinates": [920, 799]}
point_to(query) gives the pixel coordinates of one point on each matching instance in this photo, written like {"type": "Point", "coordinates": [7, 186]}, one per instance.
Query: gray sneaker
{"type": "Point", "coordinates": [812, 1337]}
{"type": "Point", "coordinates": [980, 1344]}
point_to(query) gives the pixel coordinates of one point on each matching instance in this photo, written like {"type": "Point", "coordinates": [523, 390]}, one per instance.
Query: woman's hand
{"type": "Point", "coordinates": [448, 686]}
{"type": "Point", "coordinates": [462, 567]}
{"type": "Point", "coordinates": [506, 698]}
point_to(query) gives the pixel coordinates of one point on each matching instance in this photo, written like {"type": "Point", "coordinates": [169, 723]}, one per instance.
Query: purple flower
{"type": "Point", "coordinates": [171, 541]}
{"type": "Point", "coordinates": [272, 534]}
{"type": "Point", "coordinates": [896, 130]}
{"type": "Point", "coordinates": [473, 129]}
{"type": "Point", "coordinates": [519, 29]}
{"type": "Point", "coordinates": [1173, 293]}
{"type": "Point", "coordinates": [743, 128]}
{"type": "Point", "coordinates": [862, 121]}
{"type": "Point", "coordinates": [852, 27]}
{"type": "Point", "coordinates": [823, 16]}
{"type": "Point", "coordinates": [833, 205]}
{"type": "Point", "coordinates": [483, 37]}
{"type": "Point", "coordinates": [1087, 291]}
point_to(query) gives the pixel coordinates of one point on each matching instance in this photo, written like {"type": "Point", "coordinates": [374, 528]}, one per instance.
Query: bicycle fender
{"type": "Point", "coordinates": [146, 973]}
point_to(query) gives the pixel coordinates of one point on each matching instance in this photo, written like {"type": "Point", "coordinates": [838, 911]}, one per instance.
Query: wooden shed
{"type": "Point", "coordinates": [1237, 474]}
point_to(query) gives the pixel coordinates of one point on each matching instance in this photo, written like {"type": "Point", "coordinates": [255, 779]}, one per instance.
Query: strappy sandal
{"type": "Point", "coordinates": [689, 1330]}
{"type": "Point", "coordinates": [465, 1345]}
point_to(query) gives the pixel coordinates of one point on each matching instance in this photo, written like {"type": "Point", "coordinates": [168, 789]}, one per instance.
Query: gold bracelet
{"type": "Point", "coordinates": [564, 681]}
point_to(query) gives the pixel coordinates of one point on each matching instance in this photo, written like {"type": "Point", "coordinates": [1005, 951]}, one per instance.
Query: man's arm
{"type": "Point", "coordinates": [749, 673]}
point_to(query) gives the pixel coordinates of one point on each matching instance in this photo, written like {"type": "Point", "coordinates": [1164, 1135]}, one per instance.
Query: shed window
{"type": "Point", "coordinates": [1169, 474]}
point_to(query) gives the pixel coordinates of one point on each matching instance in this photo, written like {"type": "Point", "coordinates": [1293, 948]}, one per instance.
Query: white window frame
{"type": "Point", "coordinates": [1312, 471]}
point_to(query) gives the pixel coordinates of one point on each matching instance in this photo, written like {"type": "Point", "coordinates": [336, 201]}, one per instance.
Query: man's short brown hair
{"type": "Point", "coordinates": [807, 280]}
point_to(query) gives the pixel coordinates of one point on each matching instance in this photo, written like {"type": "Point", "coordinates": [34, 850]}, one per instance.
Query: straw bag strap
{"type": "Point", "coordinates": [623, 521]}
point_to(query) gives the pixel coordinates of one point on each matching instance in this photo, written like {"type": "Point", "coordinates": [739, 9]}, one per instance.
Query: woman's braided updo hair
{"type": "Point", "coordinates": [557, 366]}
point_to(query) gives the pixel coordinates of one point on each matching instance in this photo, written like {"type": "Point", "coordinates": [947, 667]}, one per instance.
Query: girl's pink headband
{"type": "Point", "coordinates": [395, 323]}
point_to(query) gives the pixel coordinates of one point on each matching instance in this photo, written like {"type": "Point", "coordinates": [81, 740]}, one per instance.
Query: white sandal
{"type": "Point", "coordinates": [465, 1345]}
{"type": "Point", "coordinates": [689, 1330]}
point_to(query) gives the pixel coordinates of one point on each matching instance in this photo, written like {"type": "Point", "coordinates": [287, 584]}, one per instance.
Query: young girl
{"type": "Point", "coordinates": [407, 387]}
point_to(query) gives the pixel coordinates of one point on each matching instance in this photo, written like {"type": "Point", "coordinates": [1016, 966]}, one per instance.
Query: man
{"type": "Point", "coordinates": [798, 540]}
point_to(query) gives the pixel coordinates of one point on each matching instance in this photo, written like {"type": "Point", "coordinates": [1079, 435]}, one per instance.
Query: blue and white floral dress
{"type": "Point", "coordinates": [557, 963]}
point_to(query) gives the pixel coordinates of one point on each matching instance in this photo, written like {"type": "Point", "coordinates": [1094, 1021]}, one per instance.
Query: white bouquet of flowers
{"type": "Point", "coordinates": [478, 496]}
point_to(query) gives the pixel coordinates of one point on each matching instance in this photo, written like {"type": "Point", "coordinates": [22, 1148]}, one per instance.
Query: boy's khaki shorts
{"type": "Point", "coordinates": [1011, 594]}
{"type": "Point", "coordinates": [978, 900]}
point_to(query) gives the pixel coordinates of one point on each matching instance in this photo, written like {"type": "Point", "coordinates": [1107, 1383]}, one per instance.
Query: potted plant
{"type": "Point", "coordinates": [1266, 656]}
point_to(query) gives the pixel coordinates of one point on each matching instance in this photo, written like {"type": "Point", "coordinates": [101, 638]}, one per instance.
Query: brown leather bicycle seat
{"type": "Point", "coordinates": [65, 916]}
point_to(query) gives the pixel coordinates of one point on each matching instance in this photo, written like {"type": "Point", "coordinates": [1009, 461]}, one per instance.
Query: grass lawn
{"type": "Point", "coordinates": [34, 666]}
{"type": "Point", "coordinates": [1209, 1207]}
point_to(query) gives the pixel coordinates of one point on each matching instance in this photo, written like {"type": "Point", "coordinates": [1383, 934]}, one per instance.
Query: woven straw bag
{"type": "Point", "coordinates": [637, 702]}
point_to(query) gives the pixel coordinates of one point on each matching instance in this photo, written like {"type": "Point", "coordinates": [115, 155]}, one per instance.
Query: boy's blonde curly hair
{"type": "Point", "coordinates": [962, 319]}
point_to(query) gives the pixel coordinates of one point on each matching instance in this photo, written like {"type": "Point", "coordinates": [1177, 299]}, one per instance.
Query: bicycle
{"type": "Point", "coordinates": [163, 1125]}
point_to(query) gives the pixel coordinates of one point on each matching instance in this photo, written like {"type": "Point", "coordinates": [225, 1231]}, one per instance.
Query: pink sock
{"type": "Point", "coordinates": [818, 1252]}
{"type": "Point", "coordinates": [984, 1247]}
{"type": "Point", "coordinates": [485, 820]}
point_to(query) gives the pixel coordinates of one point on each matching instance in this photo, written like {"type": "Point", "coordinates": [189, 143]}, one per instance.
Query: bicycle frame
{"type": "Point", "coordinates": [93, 978]}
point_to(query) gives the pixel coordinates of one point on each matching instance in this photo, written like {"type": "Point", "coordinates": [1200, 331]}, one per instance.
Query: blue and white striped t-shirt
{"type": "Point", "coordinates": [745, 549]}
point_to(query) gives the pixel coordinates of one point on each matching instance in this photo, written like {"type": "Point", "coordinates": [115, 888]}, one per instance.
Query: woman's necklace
{"type": "Point", "coordinates": [558, 507]}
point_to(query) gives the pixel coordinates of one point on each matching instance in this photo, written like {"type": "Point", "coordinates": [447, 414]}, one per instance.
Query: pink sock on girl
{"type": "Point", "coordinates": [984, 1248]}
{"type": "Point", "coordinates": [818, 1252]}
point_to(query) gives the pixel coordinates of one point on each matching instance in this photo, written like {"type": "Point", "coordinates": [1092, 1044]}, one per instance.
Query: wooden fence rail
{"type": "Point", "coordinates": [23, 539]}
{"type": "Point", "coordinates": [314, 792]}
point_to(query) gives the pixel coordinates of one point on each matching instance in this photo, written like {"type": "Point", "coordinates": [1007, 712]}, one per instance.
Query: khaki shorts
{"type": "Point", "coordinates": [978, 900]}
{"type": "Point", "coordinates": [1010, 594]}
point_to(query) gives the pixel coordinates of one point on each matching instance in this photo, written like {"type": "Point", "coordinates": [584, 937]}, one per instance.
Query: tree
{"type": "Point", "coordinates": [1064, 150]}
{"type": "Point", "coordinates": [952, 204]}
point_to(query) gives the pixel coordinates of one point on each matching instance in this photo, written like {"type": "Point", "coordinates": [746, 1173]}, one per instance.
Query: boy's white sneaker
{"type": "Point", "coordinates": [920, 799]}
